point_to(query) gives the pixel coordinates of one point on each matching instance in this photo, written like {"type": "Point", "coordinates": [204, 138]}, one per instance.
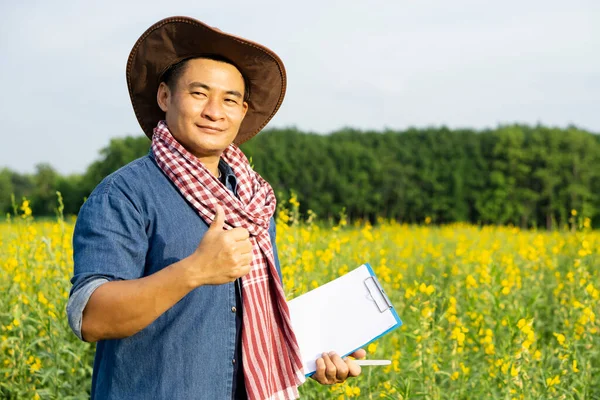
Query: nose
{"type": "Point", "coordinates": [213, 109]}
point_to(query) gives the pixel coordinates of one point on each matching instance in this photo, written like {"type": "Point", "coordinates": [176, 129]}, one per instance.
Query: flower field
{"type": "Point", "coordinates": [488, 312]}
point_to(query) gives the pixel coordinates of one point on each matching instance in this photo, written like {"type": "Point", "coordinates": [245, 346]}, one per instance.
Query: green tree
{"type": "Point", "coordinates": [6, 190]}
{"type": "Point", "coordinates": [119, 152]}
{"type": "Point", "coordinates": [43, 200]}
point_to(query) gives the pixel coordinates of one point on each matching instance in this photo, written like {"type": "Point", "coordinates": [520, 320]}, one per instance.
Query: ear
{"type": "Point", "coordinates": [163, 96]}
{"type": "Point", "coordinates": [244, 109]}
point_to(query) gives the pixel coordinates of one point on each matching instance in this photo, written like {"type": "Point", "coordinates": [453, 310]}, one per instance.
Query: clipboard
{"type": "Point", "coordinates": [342, 315]}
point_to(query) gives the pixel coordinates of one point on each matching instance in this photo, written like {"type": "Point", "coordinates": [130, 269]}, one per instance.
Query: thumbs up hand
{"type": "Point", "coordinates": [222, 256]}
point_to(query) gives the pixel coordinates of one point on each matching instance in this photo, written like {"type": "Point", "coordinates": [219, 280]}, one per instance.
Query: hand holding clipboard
{"type": "Point", "coordinates": [320, 317]}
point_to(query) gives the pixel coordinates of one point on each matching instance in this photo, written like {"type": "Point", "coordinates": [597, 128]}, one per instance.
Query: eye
{"type": "Point", "coordinates": [231, 101]}
{"type": "Point", "coordinates": [199, 94]}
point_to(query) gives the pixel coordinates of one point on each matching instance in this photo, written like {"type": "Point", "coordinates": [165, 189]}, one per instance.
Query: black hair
{"type": "Point", "coordinates": [171, 76]}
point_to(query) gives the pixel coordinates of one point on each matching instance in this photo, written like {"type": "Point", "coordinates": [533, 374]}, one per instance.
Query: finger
{"type": "Point", "coordinates": [239, 234]}
{"type": "Point", "coordinates": [360, 353]}
{"type": "Point", "coordinates": [245, 247]}
{"type": "Point", "coordinates": [353, 368]}
{"type": "Point", "coordinates": [330, 370]}
{"type": "Point", "coordinates": [319, 374]}
{"type": "Point", "coordinates": [219, 219]}
{"type": "Point", "coordinates": [341, 368]}
{"type": "Point", "coordinates": [245, 260]}
{"type": "Point", "coordinates": [243, 271]}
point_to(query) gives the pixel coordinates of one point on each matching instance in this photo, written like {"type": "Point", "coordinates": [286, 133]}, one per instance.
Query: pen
{"type": "Point", "coordinates": [372, 362]}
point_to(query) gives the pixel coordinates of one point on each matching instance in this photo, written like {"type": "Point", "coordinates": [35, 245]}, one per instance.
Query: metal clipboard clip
{"type": "Point", "coordinates": [377, 294]}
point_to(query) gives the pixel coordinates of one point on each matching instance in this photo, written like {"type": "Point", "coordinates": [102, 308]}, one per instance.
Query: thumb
{"type": "Point", "coordinates": [219, 220]}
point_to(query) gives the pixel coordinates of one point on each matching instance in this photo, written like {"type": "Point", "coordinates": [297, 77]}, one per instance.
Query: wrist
{"type": "Point", "coordinates": [189, 267]}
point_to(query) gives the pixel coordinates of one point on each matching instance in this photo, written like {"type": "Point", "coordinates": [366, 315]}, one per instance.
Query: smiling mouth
{"type": "Point", "coordinates": [210, 129]}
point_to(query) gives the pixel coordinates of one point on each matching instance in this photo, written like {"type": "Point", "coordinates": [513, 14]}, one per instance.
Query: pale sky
{"type": "Point", "coordinates": [363, 64]}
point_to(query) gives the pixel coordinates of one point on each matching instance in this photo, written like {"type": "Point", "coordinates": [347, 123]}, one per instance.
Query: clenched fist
{"type": "Point", "coordinates": [222, 256]}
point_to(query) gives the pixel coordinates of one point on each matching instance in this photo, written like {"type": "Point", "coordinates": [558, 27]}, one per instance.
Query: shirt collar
{"type": "Point", "coordinates": [227, 176]}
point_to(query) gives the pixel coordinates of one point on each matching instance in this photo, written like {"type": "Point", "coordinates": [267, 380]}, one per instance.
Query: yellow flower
{"type": "Point", "coordinates": [348, 390]}
{"type": "Point", "coordinates": [423, 288]}
{"type": "Point", "coordinates": [560, 337]}
{"type": "Point", "coordinates": [372, 348]}
{"type": "Point", "coordinates": [352, 391]}
{"type": "Point", "coordinates": [574, 366]}
{"type": "Point", "coordinates": [36, 366]}
{"type": "Point", "coordinates": [294, 200]}
{"type": "Point", "coordinates": [459, 335]}
{"type": "Point", "coordinates": [471, 282]}
{"type": "Point", "coordinates": [587, 316]}
{"type": "Point", "coordinates": [514, 371]}
{"type": "Point", "coordinates": [592, 291]}
{"type": "Point", "coordinates": [464, 369]}
{"type": "Point", "coordinates": [410, 293]}
{"type": "Point", "coordinates": [42, 299]}
{"type": "Point", "coordinates": [426, 312]}
{"type": "Point", "coordinates": [26, 209]}
{"type": "Point", "coordinates": [553, 381]}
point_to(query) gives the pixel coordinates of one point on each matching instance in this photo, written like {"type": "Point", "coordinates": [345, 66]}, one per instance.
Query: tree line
{"type": "Point", "coordinates": [515, 174]}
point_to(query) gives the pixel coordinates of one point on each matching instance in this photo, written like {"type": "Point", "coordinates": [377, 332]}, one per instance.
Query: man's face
{"type": "Point", "coordinates": [206, 107]}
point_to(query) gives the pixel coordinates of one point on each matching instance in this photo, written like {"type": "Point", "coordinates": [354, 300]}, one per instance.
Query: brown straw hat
{"type": "Point", "coordinates": [177, 38]}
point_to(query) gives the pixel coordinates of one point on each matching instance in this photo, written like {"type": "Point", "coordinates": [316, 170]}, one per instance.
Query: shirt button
{"type": "Point", "coordinates": [233, 361]}
{"type": "Point", "coordinates": [233, 309]}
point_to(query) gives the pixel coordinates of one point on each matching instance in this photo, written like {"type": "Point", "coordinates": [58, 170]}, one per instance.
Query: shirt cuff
{"type": "Point", "coordinates": [78, 301]}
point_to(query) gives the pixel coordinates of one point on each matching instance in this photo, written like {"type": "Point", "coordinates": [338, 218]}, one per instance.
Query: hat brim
{"type": "Point", "coordinates": [177, 38]}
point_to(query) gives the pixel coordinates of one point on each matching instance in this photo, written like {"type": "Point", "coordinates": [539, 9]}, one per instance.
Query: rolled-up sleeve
{"type": "Point", "coordinates": [77, 302]}
{"type": "Point", "coordinates": [109, 243]}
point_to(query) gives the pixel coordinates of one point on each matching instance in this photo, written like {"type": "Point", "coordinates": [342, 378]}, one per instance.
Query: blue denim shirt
{"type": "Point", "coordinates": [135, 223]}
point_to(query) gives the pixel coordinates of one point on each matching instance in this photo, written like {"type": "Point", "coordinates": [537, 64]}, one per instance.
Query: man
{"type": "Point", "coordinates": [176, 275]}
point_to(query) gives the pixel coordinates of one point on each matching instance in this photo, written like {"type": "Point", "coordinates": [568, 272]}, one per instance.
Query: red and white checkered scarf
{"type": "Point", "coordinates": [272, 362]}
